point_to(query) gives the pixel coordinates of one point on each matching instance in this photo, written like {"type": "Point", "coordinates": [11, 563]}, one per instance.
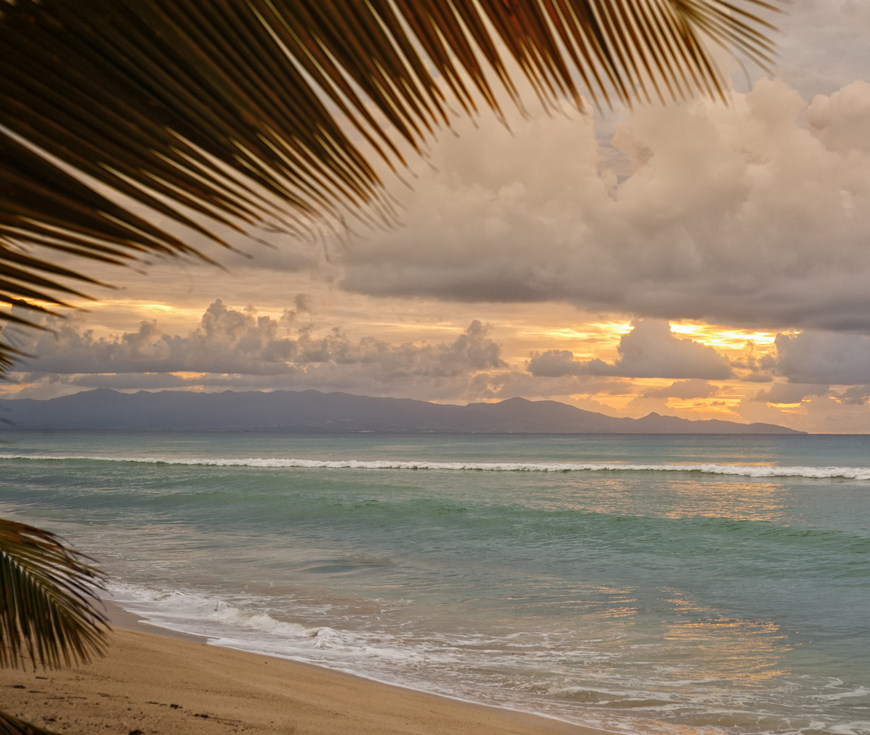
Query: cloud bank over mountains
{"type": "Point", "coordinates": [243, 350]}
{"type": "Point", "coordinates": [239, 342]}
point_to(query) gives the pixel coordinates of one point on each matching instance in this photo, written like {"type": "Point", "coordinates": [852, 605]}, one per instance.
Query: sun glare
{"type": "Point", "coordinates": [724, 338]}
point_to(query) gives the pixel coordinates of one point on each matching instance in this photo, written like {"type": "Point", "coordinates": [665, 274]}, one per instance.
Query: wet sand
{"type": "Point", "coordinates": [166, 684]}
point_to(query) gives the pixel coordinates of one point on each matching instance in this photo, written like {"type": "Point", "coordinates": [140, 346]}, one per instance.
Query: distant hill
{"type": "Point", "coordinates": [313, 411]}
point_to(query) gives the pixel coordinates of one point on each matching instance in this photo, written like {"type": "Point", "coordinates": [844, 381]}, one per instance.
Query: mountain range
{"type": "Point", "coordinates": [317, 412]}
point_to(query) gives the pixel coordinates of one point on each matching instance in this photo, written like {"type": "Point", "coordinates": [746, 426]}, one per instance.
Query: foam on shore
{"type": "Point", "coordinates": [157, 683]}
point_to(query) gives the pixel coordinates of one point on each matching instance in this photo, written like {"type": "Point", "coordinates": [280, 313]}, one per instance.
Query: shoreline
{"type": "Point", "coordinates": [158, 681]}
{"type": "Point", "coordinates": [125, 620]}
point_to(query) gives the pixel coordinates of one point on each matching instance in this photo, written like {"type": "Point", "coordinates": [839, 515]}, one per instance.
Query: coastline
{"type": "Point", "coordinates": [155, 681]}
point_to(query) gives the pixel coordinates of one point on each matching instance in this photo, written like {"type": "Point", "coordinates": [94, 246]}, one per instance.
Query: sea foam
{"type": "Point", "coordinates": [755, 471]}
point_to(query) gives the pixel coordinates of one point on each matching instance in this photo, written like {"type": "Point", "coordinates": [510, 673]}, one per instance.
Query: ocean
{"type": "Point", "coordinates": [641, 584]}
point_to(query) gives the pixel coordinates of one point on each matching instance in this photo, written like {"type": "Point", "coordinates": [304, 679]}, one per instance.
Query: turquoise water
{"type": "Point", "coordinates": [638, 583]}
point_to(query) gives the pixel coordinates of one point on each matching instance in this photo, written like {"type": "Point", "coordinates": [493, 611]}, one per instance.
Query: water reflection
{"type": "Point", "coordinates": [707, 646]}
{"type": "Point", "coordinates": [662, 496]}
{"type": "Point", "coordinates": [739, 501]}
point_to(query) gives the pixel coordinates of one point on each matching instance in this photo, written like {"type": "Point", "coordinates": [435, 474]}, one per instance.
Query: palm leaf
{"type": "Point", "coordinates": [10, 725]}
{"type": "Point", "coordinates": [47, 615]}
{"type": "Point", "coordinates": [232, 111]}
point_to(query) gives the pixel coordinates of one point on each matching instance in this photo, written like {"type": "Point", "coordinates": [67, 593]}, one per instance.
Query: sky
{"type": "Point", "coordinates": [696, 259]}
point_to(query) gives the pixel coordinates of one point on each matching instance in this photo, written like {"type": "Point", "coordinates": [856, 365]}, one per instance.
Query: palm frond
{"type": "Point", "coordinates": [47, 613]}
{"type": "Point", "coordinates": [10, 725]}
{"type": "Point", "coordinates": [231, 111]}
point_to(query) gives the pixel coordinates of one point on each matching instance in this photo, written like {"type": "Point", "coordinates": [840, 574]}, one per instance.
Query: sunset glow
{"type": "Point", "coordinates": [696, 260]}
{"type": "Point", "coordinates": [735, 339]}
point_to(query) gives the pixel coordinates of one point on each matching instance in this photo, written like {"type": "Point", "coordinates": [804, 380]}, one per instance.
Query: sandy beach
{"type": "Point", "coordinates": [149, 684]}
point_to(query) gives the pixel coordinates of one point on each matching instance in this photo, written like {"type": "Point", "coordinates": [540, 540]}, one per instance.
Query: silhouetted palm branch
{"type": "Point", "coordinates": [47, 615]}
{"type": "Point", "coordinates": [241, 112]}
{"type": "Point", "coordinates": [46, 595]}
{"type": "Point", "coordinates": [10, 725]}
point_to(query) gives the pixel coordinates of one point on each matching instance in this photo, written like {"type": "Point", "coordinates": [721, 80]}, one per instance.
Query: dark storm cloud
{"type": "Point", "coordinates": [823, 357]}
{"type": "Point", "coordinates": [750, 214]}
{"type": "Point", "coordinates": [857, 395]}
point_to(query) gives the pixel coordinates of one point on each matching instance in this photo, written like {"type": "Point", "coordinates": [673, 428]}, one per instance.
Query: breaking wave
{"type": "Point", "coordinates": [754, 471]}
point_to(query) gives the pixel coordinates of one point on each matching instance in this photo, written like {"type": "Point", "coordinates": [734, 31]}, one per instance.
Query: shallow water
{"type": "Point", "coordinates": [633, 582]}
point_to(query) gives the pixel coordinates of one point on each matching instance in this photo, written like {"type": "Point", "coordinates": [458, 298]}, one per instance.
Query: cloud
{"type": "Point", "coordinates": [841, 118]}
{"type": "Point", "coordinates": [558, 363]}
{"type": "Point", "coordinates": [736, 215]}
{"type": "Point", "coordinates": [120, 381]}
{"type": "Point", "coordinates": [857, 395]}
{"type": "Point", "coordinates": [789, 393]}
{"type": "Point", "coordinates": [699, 391]}
{"type": "Point", "coordinates": [823, 44]}
{"type": "Point", "coordinates": [239, 348]}
{"type": "Point", "coordinates": [823, 357]}
{"type": "Point", "coordinates": [752, 367]}
{"type": "Point", "coordinates": [649, 350]}
{"type": "Point", "coordinates": [226, 340]}
{"type": "Point", "coordinates": [826, 412]}
{"type": "Point", "coordinates": [498, 385]}
{"type": "Point", "coordinates": [684, 389]}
